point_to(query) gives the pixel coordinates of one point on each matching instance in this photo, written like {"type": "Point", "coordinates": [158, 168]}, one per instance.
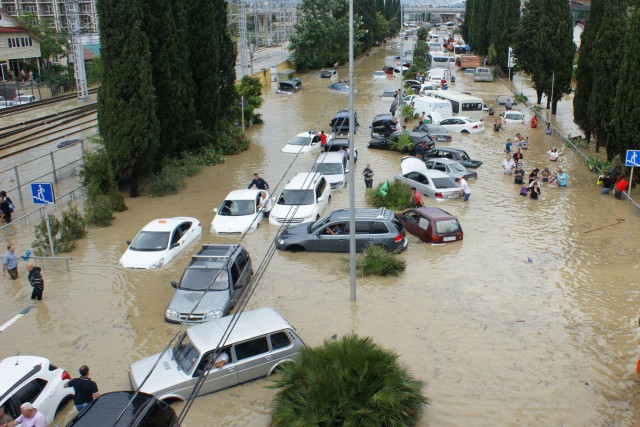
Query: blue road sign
{"type": "Point", "coordinates": [633, 158]}
{"type": "Point", "coordinates": [42, 193]}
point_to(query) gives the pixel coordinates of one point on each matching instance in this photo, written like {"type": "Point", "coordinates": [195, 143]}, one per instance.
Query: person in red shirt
{"type": "Point", "coordinates": [323, 141]}
{"type": "Point", "coordinates": [416, 200]}
{"type": "Point", "coordinates": [621, 187]}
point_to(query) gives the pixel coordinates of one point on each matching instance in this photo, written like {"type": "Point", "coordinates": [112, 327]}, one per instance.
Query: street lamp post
{"type": "Point", "coordinates": [553, 80]}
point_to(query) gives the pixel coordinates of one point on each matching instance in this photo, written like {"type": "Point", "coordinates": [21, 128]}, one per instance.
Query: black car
{"type": "Point", "coordinates": [417, 138]}
{"type": "Point", "coordinates": [383, 125]}
{"type": "Point", "coordinates": [437, 132]}
{"type": "Point", "coordinates": [338, 144]}
{"type": "Point", "coordinates": [453, 154]}
{"type": "Point", "coordinates": [340, 123]}
{"type": "Point", "coordinates": [145, 410]}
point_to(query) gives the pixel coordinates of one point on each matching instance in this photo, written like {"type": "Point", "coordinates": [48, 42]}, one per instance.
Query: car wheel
{"type": "Point", "coordinates": [464, 131]}
{"type": "Point", "coordinates": [295, 248]}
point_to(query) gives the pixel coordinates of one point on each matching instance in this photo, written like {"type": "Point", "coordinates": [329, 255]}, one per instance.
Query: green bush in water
{"type": "Point", "coordinates": [398, 196]}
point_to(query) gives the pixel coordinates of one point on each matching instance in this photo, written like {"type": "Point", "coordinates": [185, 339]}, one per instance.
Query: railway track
{"type": "Point", "coordinates": [33, 105]}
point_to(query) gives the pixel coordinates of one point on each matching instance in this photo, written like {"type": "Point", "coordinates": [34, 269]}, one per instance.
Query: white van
{"type": "Point", "coordinates": [302, 200]}
{"type": "Point", "coordinates": [431, 105]}
{"type": "Point", "coordinates": [24, 99]}
{"type": "Point", "coordinates": [333, 165]}
{"type": "Point", "coordinates": [437, 74]}
{"type": "Point", "coordinates": [483, 74]}
{"type": "Point", "coordinates": [434, 46]}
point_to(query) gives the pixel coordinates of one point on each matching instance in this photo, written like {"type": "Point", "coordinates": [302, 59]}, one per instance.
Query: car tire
{"type": "Point", "coordinates": [295, 248]}
{"type": "Point", "coordinates": [465, 131]}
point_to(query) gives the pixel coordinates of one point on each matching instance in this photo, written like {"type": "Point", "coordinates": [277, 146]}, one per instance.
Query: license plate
{"type": "Point", "coordinates": [449, 239]}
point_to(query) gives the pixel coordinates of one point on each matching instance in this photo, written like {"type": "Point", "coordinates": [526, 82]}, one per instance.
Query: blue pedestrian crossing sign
{"type": "Point", "coordinates": [633, 158]}
{"type": "Point", "coordinates": [42, 193]}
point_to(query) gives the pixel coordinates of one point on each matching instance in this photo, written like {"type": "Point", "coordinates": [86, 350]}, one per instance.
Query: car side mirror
{"type": "Point", "coordinates": [175, 245]}
{"type": "Point", "coordinates": [320, 199]}
{"type": "Point", "coordinates": [346, 171]}
{"type": "Point", "coordinates": [128, 242]}
{"type": "Point", "coordinates": [215, 210]}
{"type": "Point", "coordinates": [174, 284]}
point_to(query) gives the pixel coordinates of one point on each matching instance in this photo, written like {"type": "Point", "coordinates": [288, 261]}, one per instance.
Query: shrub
{"type": "Point", "coordinates": [597, 165]}
{"type": "Point", "coordinates": [64, 233]}
{"type": "Point", "coordinates": [98, 176]}
{"type": "Point", "coordinates": [210, 156]}
{"type": "Point", "coordinates": [349, 382]}
{"type": "Point", "coordinates": [521, 98]}
{"type": "Point", "coordinates": [73, 225]}
{"type": "Point", "coordinates": [377, 261]}
{"type": "Point", "coordinates": [99, 210]}
{"type": "Point", "coordinates": [168, 181]}
{"type": "Point", "coordinates": [230, 140]}
{"type": "Point", "coordinates": [398, 196]}
{"type": "Point", "coordinates": [404, 144]}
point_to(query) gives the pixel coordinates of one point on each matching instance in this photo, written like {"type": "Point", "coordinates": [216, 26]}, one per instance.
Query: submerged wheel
{"type": "Point", "coordinates": [295, 248]}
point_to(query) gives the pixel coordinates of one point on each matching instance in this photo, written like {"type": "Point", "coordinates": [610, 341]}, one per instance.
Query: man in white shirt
{"type": "Point", "coordinates": [29, 417]}
{"type": "Point", "coordinates": [464, 186]}
{"type": "Point", "coordinates": [508, 164]}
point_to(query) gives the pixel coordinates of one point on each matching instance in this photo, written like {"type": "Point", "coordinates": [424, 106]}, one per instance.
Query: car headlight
{"type": "Point", "coordinates": [307, 217]}
{"type": "Point", "coordinates": [280, 241]}
{"type": "Point", "coordinates": [213, 314]}
{"type": "Point", "coordinates": [158, 264]}
{"type": "Point", "coordinates": [171, 314]}
{"type": "Point", "coordinates": [340, 183]}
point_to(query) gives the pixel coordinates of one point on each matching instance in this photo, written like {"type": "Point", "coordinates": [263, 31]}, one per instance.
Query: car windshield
{"type": "Point", "coordinates": [437, 130]}
{"type": "Point", "coordinates": [185, 354]}
{"type": "Point", "coordinates": [464, 156]}
{"type": "Point", "coordinates": [447, 226]}
{"type": "Point", "coordinates": [443, 182]}
{"type": "Point", "coordinates": [318, 225]}
{"type": "Point", "coordinates": [237, 208]}
{"type": "Point", "coordinates": [296, 197]}
{"type": "Point", "coordinates": [199, 279]}
{"type": "Point", "coordinates": [300, 140]}
{"type": "Point", "coordinates": [457, 167]}
{"type": "Point", "coordinates": [328, 168]}
{"type": "Point", "coordinates": [512, 116]}
{"type": "Point", "coordinates": [150, 241]}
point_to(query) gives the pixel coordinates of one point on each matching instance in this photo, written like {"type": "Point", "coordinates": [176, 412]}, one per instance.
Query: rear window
{"type": "Point", "coordinates": [447, 226]}
{"type": "Point", "coordinates": [279, 340]}
{"type": "Point", "coordinates": [378, 227]}
{"type": "Point", "coordinates": [443, 59]}
{"type": "Point", "coordinates": [472, 106]}
{"type": "Point", "coordinates": [252, 348]}
{"type": "Point", "coordinates": [443, 182]}
{"type": "Point", "coordinates": [397, 224]}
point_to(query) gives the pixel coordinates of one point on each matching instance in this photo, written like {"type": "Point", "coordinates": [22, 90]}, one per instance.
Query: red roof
{"type": "Point", "coordinates": [13, 30]}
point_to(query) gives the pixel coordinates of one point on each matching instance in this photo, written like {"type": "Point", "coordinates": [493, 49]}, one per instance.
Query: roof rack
{"type": "Point", "coordinates": [382, 212]}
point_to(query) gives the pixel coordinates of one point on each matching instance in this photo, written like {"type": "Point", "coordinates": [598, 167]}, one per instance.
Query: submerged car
{"type": "Point", "coordinates": [302, 199]}
{"type": "Point", "coordinates": [340, 123]}
{"type": "Point", "coordinates": [432, 224]}
{"type": "Point", "coordinates": [383, 125]}
{"type": "Point", "coordinates": [341, 144]}
{"type": "Point", "coordinates": [238, 213]}
{"type": "Point", "coordinates": [333, 165]}
{"type": "Point", "coordinates": [304, 142]}
{"type": "Point", "coordinates": [453, 154]}
{"type": "Point", "coordinates": [35, 380]}
{"type": "Point", "coordinates": [289, 87]}
{"type": "Point", "coordinates": [503, 99]}
{"type": "Point", "coordinates": [436, 132]}
{"type": "Point", "coordinates": [462, 124]}
{"type": "Point", "coordinates": [339, 86]}
{"type": "Point", "coordinates": [160, 241]}
{"type": "Point", "coordinates": [210, 286]}
{"type": "Point", "coordinates": [416, 139]}
{"type": "Point", "coordinates": [328, 73]}
{"type": "Point", "coordinates": [259, 342]}
{"type": "Point", "coordinates": [511, 116]}
{"type": "Point", "coordinates": [331, 234]}
{"type": "Point", "coordinates": [451, 167]}
{"type": "Point", "coordinates": [434, 184]}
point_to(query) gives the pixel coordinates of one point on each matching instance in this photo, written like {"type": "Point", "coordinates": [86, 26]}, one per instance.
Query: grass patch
{"type": "Point", "coordinates": [377, 261]}
{"type": "Point", "coordinates": [398, 196]}
{"type": "Point", "coordinates": [598, 165]}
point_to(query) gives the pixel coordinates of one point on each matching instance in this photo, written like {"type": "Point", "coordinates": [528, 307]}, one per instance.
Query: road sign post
{"type": "Point", "coordinates": [632, 160]}
{"type": "Point", "coordinates": [42, 194]}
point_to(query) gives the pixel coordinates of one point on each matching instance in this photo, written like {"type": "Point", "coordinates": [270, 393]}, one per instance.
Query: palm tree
{"type": "Point", "coordinates": [350, 382]}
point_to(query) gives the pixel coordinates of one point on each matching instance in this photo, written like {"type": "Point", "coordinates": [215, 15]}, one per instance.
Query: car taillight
{"type": "Point", "coordinates": [475, 126]}
{"type": "Point", "coordinates": [435, 238]}
{"type": "Point", "coordinates": [459, 235]}
{"type": "Point", "coordinates": [399, 238]}
{"type": "Point", "coordinates": [65, 375]}
{"type": "Point", "coordinates": [448, 138]}
{"type": "Point", "coordinates": [439, 196]}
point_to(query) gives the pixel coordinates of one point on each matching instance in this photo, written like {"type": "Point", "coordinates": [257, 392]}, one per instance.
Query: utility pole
{"type": "Point", "coordinates": [242, 23]}
{"type": "Point", "coordinates": [400, 97]}
{"type": "Point", "coordinates": [352, 184]}
{"type": "Point", "coordinates": [73, 23]}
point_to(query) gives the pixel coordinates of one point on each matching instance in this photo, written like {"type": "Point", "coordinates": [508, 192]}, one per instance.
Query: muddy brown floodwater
{"type": "Point", "coordinates": [499, 340]}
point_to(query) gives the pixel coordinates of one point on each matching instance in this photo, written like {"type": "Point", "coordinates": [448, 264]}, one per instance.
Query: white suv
{"type": "Point", "coordinates": [333, 165]}
{"type": "Point", "coordinates": [35, 380]}
{"type": "Point", "coordinates": [301, 200]}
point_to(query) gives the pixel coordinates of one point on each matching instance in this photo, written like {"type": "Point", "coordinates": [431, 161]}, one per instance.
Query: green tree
{"type": "Point", "coordinates": [251, 89]}
{"type": "Point", "coordinates": [608, 52]}
{"type": "Point", "coordinates": [478, 37]}
{"type": "Point", "coordinates": [468, 14]}
{"type": "Point", "coordinates": [52, 44]}
{"type": "Point", "coordinates": [626, 114]}
{"type": "Point", "coordinates": [126, 100]}
{"type": "Point", "coordinates": [504, 19]}
{"type": "Point", "coordinates": [350, 382]}
{"type": "Point", "coordinates": [172, 80]}
{"type": "Point", "coordinates": [584, 72]}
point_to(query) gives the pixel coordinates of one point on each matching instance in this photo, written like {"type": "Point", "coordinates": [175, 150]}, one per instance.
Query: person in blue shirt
{"type": "Point", "coordinates": [260, 183]}
{"type": "Point", "coordinates": [562, 178]}
{"type": "Point", "coordinates": [507, 146]}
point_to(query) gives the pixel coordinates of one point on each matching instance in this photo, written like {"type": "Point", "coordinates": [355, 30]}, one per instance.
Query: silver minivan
{"type": "Point", "coordinates": [333, 165]}
{"type": "Point", "coordinates": [259, 342]}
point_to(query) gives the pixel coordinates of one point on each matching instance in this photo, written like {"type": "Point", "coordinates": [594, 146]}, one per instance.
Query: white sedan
{"type": "Point", "coordinates": [160, 241]}
{"type": "Point", "coordinates": [432, 183]}
{"type": "Point", "coordinates": [35, 380]}
{"type": "Point", "coordinates": [512, 117]}
{"type": "Point", "coordinates": [462, 124]}
{"type": "Point", "coordinates": [304, 142]}
{"type": "Point", "coordinates": [238, 213]}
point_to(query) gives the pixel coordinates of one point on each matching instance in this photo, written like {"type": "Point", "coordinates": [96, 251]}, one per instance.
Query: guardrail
{"type": "Point", "coordinates": [55, 260]}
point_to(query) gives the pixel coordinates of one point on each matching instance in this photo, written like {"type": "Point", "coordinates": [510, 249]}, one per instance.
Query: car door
{"type": "Point", "coordinates": [363, 234]}
{"type": "Point", "coordinates": [217, 378]}
{"type": "Point", "coordinates": [33, 392]}
{"type": "Point", "coordinates": [241, 264]}
{"type": "Point", "coordinates": [254, 360]}
{"type": "Point", "coordinates": [424, 227]}
{"type": "Point", "coordinates": [323, 242]}
{"type": "Point", "coordinates": [177, 241]}
{"type": "Point", "coordinates": [410, 220]}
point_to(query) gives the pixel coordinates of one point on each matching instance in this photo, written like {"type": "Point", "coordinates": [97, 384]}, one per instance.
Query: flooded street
{"type": "Point", "coordinates": [498, 339]}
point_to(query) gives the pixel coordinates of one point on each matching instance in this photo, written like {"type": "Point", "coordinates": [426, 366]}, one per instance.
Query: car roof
{"type": "Point", "coordinates": [342, 113]}
{"type": "Point", "coordinates": [331, 157]}
{"type": "Point", "coordinates": [449, 149]}
{"type": "Point", "coordinates": [362, 213]}
{"type": "Point", "coordinates": [306, 134]}
{"type": "Point", "coordinates": [303, 180]}
{"type": "Point", "coordinates": [434, 212]}
{"type": "Point", "coordinates": [250, 324]}
{"type": "Point", "coordinates": [443, 160]}
{"type": "Point", "coordinates": [243, 194]}
{"type": "Point", "coordinates": [339, 141]}
{"type": "Point", "coordinates": [15, 368]}
{"type": "Point", "coordinates": [166, 224]}
{"type": "Point", "coordinates": [104, 410]}
{"type": "Point", "coordinates": [383, 116]}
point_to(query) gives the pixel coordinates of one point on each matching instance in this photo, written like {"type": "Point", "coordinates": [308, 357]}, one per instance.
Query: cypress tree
{"type": "Point", "coordinates": [126, 100]}
{"type": "Point", "coordinates": [175, 110]}
{"type": "Point", "coordinates": [504, 20]}
{"type": "Point", "coordinates": [478, 32]}
{"type": "Point", "coordinates": [468, 14]}
{"type": "Point", "coordinates": [626, 115]}
{"type": "Point", "coordinates": [607, 55]}
{"type": "Point", "coordinates": [584, 72]}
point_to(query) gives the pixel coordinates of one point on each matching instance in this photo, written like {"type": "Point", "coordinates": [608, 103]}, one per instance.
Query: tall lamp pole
{"type": "Point", "coordinates": [553, 80]}
{"type": "Point", "coordinates": [400, 97]}
{"type": "Point", "coordinates": [352, 184]}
